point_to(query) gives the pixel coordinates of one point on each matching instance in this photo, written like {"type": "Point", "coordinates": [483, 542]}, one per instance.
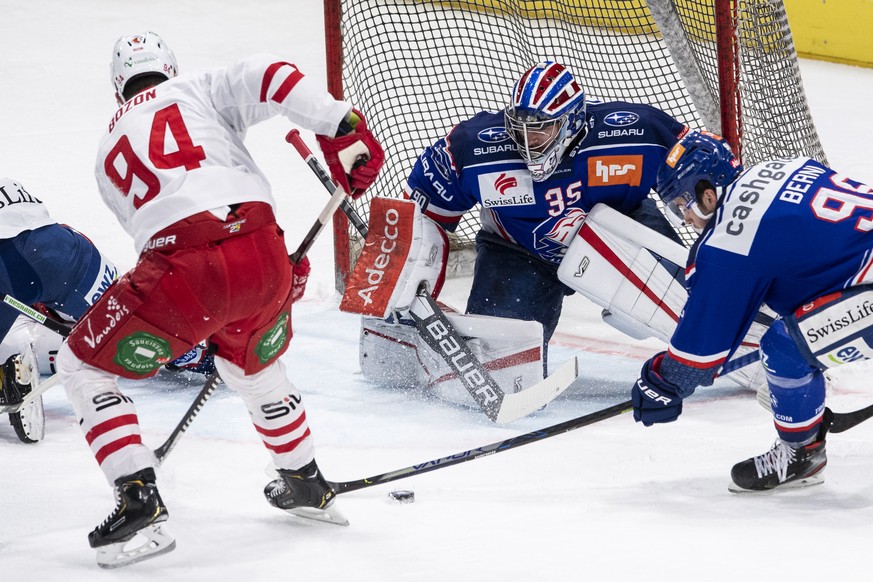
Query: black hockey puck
{"type": "Point", "coordinates": [402, 496]}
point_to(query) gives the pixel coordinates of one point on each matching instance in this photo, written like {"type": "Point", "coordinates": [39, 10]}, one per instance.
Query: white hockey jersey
{"type": "Point", "coordinates": [175, 150]}
{"type": "Point", "coordinates": [19, 210]}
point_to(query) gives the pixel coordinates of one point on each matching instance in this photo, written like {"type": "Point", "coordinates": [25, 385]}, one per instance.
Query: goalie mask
{"type": "Point", "coordinates": [138, 55]}
{"type": "Point", "coordinates": [546, 113]}
{"type": "Point", "coordinates": [697, 157]}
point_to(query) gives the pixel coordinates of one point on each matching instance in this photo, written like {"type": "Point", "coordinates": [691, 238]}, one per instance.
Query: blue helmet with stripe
{"type": "Point", "coordinates": [546, 113]}
{"type": "Point", "coordinates": [698, 156]}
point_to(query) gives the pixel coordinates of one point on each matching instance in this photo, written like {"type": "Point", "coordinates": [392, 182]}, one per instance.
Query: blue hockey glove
{"type": "Point", "coordinates": [654, 399]}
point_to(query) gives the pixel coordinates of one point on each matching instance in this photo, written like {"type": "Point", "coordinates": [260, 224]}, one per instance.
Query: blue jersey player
{"type": "Point", "coordinates": [789, 233]}
{"type": "Point", "coordinates": [535, 170]}
{"type": "Point", "coordinates": [43, 262]}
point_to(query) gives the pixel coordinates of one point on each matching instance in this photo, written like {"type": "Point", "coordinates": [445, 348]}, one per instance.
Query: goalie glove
{"type": "Point", "coordinates": [354, 157]}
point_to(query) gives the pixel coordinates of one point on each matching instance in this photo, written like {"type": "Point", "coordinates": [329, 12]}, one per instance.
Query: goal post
{"type": "Point", "coordinates": [418, 67]}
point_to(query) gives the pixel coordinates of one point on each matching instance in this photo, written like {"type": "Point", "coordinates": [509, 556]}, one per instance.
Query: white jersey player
{"type": "Point", "coordinates": [173, 168]}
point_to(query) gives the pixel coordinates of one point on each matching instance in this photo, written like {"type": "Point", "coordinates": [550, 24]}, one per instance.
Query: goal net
{"type": "Point", "coordinates": [418, 67]}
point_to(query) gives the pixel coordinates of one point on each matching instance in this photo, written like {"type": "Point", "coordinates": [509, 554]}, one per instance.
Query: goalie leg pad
{"type": "Point", "coordinates": [20, 377]}
{"type": "Point", "coordinates": [45, 342]}
{"type": "Point", "coordinates": [389, 352]}
{"type": "Point", "coordinates": [634, 272]}
{"type": "Point", "coordinates": [393, 352]}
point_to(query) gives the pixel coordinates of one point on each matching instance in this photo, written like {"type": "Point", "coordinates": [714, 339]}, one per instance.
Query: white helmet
{"type": "Point", "coordinates": [139, 54]}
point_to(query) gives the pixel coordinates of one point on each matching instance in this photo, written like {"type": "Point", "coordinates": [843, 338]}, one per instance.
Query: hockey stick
{"type": "Point", "coordinates": [840, 422]}
{"type": "Point", "coordinates": [208, 388]}
{"type": "Point", "coordinates": [843, 421]}
{"type": "Point", "coordinates": [35, 315]}
{"type": "Point", "coordinates": [483, 451]}
{"type": "Point", "coordinates": [437, 331]}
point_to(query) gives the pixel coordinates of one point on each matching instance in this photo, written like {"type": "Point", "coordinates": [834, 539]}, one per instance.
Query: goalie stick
{"type": "Point", "coordinates": [438, 332]}
{"type": "Point", "coordinates": [337, 197]}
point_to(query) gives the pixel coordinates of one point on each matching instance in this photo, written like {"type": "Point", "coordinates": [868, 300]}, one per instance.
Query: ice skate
{"type": "Point", "coordinates": [19, 378]}
{"type": "Point", "coordinates": [781, 467]}
{"type": "Point", "coordinates": [305, 493]}
{"type": "Point", "coordinates": [134, 531]}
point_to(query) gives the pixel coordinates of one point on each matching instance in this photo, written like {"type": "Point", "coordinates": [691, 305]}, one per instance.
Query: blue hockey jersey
{"type": "Point", "coordinates": [786, 232]}
{"type": "Point", "coordinates": [477, 164]}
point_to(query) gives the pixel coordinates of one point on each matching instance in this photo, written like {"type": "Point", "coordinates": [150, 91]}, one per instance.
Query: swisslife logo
{"type": "Point", "coordinates": [510, 188]}
{"type": "Point", "coordinates": [615, 170]}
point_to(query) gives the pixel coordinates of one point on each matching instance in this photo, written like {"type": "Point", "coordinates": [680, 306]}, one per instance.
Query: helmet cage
{"type": "Point", "coordinates": [540, 141]}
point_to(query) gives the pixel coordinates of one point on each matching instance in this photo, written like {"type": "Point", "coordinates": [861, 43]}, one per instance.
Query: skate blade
{"type": "Point", "coordinates": [157, 542]}
{"type": "Point", "coordinates": [810, 481]}
{"type": "Point", "coordinates": [328, 515]}
{"type": "Point", "coordinates": [29, 422]}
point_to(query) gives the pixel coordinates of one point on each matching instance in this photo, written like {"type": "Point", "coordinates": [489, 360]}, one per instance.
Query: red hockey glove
{"type": "Point", "coordinates": [299, 276]}
{"type": "Point", "coordinates": [354, 159]}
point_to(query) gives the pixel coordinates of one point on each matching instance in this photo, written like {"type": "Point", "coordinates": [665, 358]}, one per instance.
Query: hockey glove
{"type": "Point", "coordinates": [299, 276]}
{"type": "Point", "coordinates": [354, 158]}
{"type": "Point", "coordinates": [654, 399]}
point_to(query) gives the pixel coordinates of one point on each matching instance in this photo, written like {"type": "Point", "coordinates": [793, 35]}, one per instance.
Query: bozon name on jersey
{"type": "Point", "coordinates": [141, 97]}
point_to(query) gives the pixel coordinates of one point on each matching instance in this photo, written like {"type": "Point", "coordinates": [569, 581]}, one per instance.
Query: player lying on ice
{"type": "Point", "coordinates": [213, 264]}
{"type": "Point", "coordinates": [751, 253]}
{"type": "Point", "coordinates": [534, 169]}
{"type": "Point", "coordinates": [52, 265]}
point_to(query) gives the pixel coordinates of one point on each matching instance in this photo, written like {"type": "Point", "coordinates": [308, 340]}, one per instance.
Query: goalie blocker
{"type": "Point", "coordinates": [638, 277]}
{"type": "Point", "coordinates": [403, 249]}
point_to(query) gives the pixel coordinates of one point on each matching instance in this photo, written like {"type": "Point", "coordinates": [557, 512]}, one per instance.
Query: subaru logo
{"type": "Point", "coordinates": [621, 118]}
{"type": "Point", "coordinates": [493, 135]}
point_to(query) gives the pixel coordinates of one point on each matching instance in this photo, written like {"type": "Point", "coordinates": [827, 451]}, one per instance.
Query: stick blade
{"type": "Point", "coordinates": [521, 404]}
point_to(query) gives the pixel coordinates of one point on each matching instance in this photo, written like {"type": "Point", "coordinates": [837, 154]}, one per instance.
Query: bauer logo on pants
{"type": "Point", "coordinates": [142, 353]}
